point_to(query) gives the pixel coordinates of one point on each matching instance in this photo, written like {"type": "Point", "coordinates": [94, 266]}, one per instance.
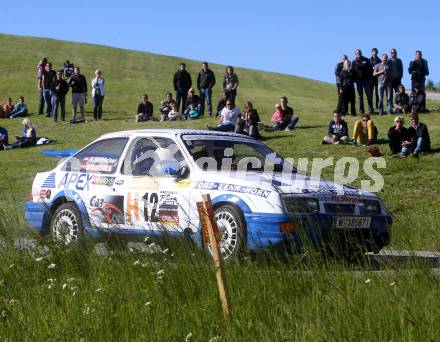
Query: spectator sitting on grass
{"type": "Point", "coordinates": [145, 109]}
{"type": "Point", "coordinates": [419, 140]}
{"type": "Point", "coordinates": [221, 104]}
{"type": "Point", "coordinates": [8, 107]}
{"type": "Point", "coordinates": [337, 131]}
{"type": "Point", "coordinates": [289, 118]}
{"type": "Point", "coordinates": [28, 136]}
{"type": "Point", "coordinates": [228, 118]}
{"type": "Point", "coordinates": [165, 106]}
{"type": "Point", "coordinates": [20, 109]}
{"type": "Point", "coordinates": [192, 112]}
{"type": "Point", "coordinates": [417, 101]}
{"type": "Point", "coordinates": [398, 134]}
{"type": "Point", "coordinates": [193, 99]}
{"type": "Point", "coordinates": [3, 138]}
{"type": "Point", "coordinates": [248, 123]}
{"type": "Point", "coordinates": [365, 133]}
{"type": "Point", "coordinates": [401, 101]}
{"type": "Point", "coordinates": [174, 114]}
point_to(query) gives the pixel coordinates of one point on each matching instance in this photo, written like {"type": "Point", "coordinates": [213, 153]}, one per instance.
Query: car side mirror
{"type": "Point", "coordinates": [183, 173]}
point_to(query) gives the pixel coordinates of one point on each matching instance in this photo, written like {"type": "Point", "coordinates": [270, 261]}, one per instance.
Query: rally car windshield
{"type": "Point", "coordinates": [234, 154]}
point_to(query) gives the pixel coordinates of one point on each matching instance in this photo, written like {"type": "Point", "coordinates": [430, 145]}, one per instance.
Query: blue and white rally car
{"type": "Point", "coordinates": [145, 182]}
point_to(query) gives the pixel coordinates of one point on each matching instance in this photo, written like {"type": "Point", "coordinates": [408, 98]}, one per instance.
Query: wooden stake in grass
{"type": "Point", "coordinates": [211, 235]}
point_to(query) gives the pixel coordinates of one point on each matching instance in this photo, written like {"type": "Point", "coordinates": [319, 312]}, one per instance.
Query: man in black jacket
{"type": "Point", "coordinates": [396, 70]}
{"type": "Point", "coordinates": [337, 131]}
{"type": "Point", "coordinates": [182, 82]}
{"type": "Point", "coordinates": [419, 140]}
{"type": "Point", "coordinates": [47, 76]}
{"type": "Point", "coordinates": [59, 89]}
{"type": "Point", "coordinates": [363, 77]}
{"type": "Point", "coordinates": [205, 82]}
{"type": "Point", "coordinates": [78, 84]}
{"type": "Point", "coordinates": [375, 87]}
{"type": "Point", "coordinates": [338, 70]}
{"type": "Point", "coordinates": [418, 68]}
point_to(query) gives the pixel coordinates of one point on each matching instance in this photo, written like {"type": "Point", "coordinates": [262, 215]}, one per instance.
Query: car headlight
{"type": "Point", "coordinates": [369, 207]}
{"type": "Point", "coordinates": [295, 204]}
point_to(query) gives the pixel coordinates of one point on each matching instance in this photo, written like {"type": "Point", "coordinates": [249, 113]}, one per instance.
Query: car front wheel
{"type": "Point", "coordinates": [66, 225]}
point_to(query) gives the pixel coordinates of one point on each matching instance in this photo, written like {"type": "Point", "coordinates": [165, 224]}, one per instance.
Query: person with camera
{"type": "Point", "coordinates": [59, 89]}
{"type": "Point", "coordinates": [78, 84]}
{"type": "Point", "coordinates": [363, 77]}
{"type": "Point", "coordinates": [401, 101]}
{"type": "Point", "coordinates": [383, 73]}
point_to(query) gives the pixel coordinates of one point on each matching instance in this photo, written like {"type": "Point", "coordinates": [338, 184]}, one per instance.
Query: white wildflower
{"type": "Point", "coordinates": [214, 339]}
{"type": "Point", "coordinates": [367, 281]}
{"type": "Point", "coordinates": [160, 272]}
{"type": "Point", "coordinates": [64, 286]}
{"type": "Point", "coordinates": [70, 279]}
{"type": "Point", "coordinates": [146, 239]}
{"type": "Point", "coordinates": [393, 283]}
{"type": "Point", "coordinates": [165, 251]}
{"type": "Point", "coordinates": [188, 337]}
{"type": "Point", "coordinates": [98, 289]}
{"type": "Point", "coordinates": [137, 262]}
{"type": "Point", "coordinates": [147, 304]}
{"type": "Point", "coordinates": [39, 259]}
{"type": "Point", "coordinates": [11, 265]}
{"type": "Point", "coordinates": [52, 265]}
{"type": "Point", "coordinates": [73, 293]}
{"type": "Point", "coordinates": [172, 254]}
{"type": "Point", "coordinates": [50, 280]}
{"type": "Point", "coordinates": [49, 286]}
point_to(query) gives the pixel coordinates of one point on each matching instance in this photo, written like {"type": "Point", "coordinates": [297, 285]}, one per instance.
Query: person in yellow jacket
{"type": "Point", "coordinates": [365, 133]}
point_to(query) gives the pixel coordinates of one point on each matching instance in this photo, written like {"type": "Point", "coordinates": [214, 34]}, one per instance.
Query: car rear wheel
{"type": "Point", "coordinates": [66, 225]}
{"type": "Point", "coordinates": [232, 231]}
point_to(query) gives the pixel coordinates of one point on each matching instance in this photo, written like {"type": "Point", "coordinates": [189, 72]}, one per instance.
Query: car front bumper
{"type": "Point", "coordinates": [36, 214]}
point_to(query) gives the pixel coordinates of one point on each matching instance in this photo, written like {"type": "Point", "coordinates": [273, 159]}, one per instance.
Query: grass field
{"type": "Point", "coordinates": [293, 300]}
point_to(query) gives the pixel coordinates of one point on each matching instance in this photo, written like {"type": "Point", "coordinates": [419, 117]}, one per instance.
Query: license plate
{"type": "Point", "coordinates": [351, 222]}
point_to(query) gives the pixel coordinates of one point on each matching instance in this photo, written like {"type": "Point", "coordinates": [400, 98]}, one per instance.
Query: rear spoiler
{"type": "Point", "coordinates": [59, 153]}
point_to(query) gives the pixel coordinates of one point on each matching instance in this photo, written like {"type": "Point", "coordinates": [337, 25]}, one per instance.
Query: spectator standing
{"type": "Point", "coordinates": [396, 70]}
{"type": "Point", "coordinates": [383, 72]}
{"type": "Point", "coordinates": [248, 122]}
{"type": "Point", "coordinates": [363, 77]}
{"type": "Point", "coordinates": [205, 83]}
{"type": "Point", "coordinates": [228, 118]}
{"type": "Point", "coordinates": [374, 88]}
{"type": "Point", "coordinates": [337, 132]}
{"type": "Point", "coordinates": [98, 94]}
{"type": "Point", "coordinates": [166, 106]}
{"type": "Point", "coordinates": [418, 68]}
{"type": "Point", "coordinates": [401, 101]}
{"type": "Point", "coordinates": [419, 138]}
{"type": "Point", "coordinates": [144, 110]}
{"type": "Point", "coordinates": [397, 134]}
{"type": "Point", "coordinates": [20, 109]}
{"type": "Point", "coordinates": [347, 96]}
{"type": "Point", "coordinates": [230, 83]}
{"type": "Point", "coordinates": [59, 89]}
{"type": "Point", "coordinates": [78, 84]}
{"type": "Point", "coordinates": [221, 104]}
{"type": "Point", "coordinates": [365, 133]}
{"type": "Point", "coordinates": [68, 69]}
{"type": "Point", "coordinates": [338, 70]}
{"type": "Point", "coordinates": [47, 77]}
{"type": "Point", "coordinates": [41, 67]}
{"type": "Point", "coordinates": [182, 83]}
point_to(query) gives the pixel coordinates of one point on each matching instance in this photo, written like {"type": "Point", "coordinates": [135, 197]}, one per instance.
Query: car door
{"type": "Point", "coordinates": [155, 197]}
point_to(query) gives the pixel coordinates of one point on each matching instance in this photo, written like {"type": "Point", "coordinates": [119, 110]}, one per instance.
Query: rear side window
{"type": "Point", "coordinates": [100, 157]}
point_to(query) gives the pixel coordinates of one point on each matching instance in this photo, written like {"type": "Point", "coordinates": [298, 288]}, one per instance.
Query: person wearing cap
{"type": "Point", "coordinates": [397, 134]}
{"type": "Point", "coordinates": [59, 89]}
{"type": "Point", "coordinates": [205, 83]}
{"type": "Point", "coordinates": [230, 83]}
{"type": "Point", "coordinates": [182, 83]}
{"type": "Point", "coordinates": [20, 109]}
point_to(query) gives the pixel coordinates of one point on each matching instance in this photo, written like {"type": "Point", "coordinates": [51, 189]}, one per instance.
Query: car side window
{"type": "Point", "coordinates": [101, 157]}
{"type": "Point", "coordinates": [153, 156]}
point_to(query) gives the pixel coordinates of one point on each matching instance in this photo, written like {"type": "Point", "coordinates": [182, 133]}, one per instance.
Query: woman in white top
{"type": "Point", "coordinates": [98, 93]}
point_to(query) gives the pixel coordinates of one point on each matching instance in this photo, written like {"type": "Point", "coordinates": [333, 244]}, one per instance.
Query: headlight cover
{"type": "Point", "coordinates": [296, 204]}
{"type": "Point", "coordinates": [369, 207]}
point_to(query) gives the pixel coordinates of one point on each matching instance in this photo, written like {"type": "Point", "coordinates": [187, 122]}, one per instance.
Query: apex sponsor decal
{"type": "Point", "coordinates": [232, 188]}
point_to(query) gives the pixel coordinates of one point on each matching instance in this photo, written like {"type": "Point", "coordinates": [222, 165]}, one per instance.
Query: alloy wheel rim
{"type": "Point", "coordinates": [66, 226]}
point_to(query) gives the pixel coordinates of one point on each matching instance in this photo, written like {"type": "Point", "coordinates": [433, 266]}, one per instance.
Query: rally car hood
{"type": "Point", "coordinates": [285, 183]}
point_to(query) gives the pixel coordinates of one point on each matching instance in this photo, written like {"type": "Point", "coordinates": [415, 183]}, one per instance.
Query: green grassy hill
{"type": "Point", "coordinates": [412, 187]}
{"type": "Point", "coordinates": [67, 294]}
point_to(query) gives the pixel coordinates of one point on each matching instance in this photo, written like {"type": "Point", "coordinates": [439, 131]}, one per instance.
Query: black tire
{"type": "Point", "coordinates": [232, 231]}
{"type": "Point", "coordinates": [66, 224]}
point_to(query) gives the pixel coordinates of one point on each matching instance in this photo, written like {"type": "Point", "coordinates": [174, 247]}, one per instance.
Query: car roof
{"type": "Point", "coordinates": [171, 131]}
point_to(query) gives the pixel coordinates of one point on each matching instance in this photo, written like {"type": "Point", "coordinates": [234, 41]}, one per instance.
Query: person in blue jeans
{"type": "Point", "coordinates": [20, 109]}
{"type": "Point", "coordinates": [59, 90]}
{"type": "Point", "coordinates": [228, 118]}
{"type": "Point", "coordinates": [4, 139]}
{"type": "Point", "coordinates": [419, 139]}
{"type": "Point", "coordinates": [383, 73]}
{"type": "Point", "coordinates": [205, 83]}
{"type": "Point", "coordinates": [47, 78]}
{"type": "Point", "coordinates": [362, 71]}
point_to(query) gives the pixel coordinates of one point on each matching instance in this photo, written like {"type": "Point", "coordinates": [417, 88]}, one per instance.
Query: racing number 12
{"type": "Point", "coordinates": [154, 200]}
